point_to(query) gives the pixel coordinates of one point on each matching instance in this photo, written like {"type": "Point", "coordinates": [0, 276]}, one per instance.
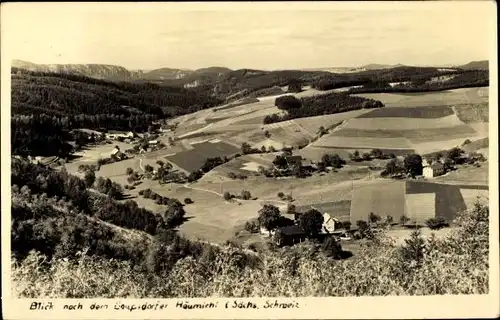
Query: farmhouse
{"type": "Point", "coordinates": [266, 232]}
{"type": "Point", "coordinates": [294, 161]}
{"type": "Point", "coordinates": [433, 170]}
{"type": "Point", "coordinates": [153, 142]}
{"type": "Point", "coordinates": [330, 223]}
{"type": "Point", "coordinates": [289, 235]}
{"type": "Point", "coordinates": [119, 134]}
{"type": "Point", "coordinates": [116, 153]}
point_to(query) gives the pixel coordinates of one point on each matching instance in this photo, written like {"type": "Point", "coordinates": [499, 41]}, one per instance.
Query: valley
{"type": "Point", "coordinates": [405, 126]}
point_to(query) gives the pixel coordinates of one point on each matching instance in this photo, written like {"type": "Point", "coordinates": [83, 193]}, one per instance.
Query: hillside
{"type": "Point", "coordinates": [46, 106]}
{"type": "Point", "coordinates": [93, 247]}
{"type": "Point", "coordinates": [67, 94]}
{"type": "Point", "coordinates": [476, 65]}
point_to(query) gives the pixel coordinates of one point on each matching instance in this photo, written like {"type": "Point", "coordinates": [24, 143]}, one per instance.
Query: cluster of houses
{"type": "Point", "coordinates": [293, 234]}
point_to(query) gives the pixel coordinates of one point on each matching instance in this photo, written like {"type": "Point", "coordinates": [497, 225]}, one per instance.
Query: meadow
{"type": "Point", "coordinates": [366, 142]}
{"type": "Point", "coordinates": [422, 112]}
{"type": "Point", "coordinates": [448, 97]}
{"type": "Point", "coordinates": [194, 159]}
{"type": "Point", "coordinates": [473, 113]}
{"type": "Point", "coordinates": [401, 123]}
{"type": "Point", "coordinates": [413, 135]}
{"type": "Point", "coordinates": [383, 198]}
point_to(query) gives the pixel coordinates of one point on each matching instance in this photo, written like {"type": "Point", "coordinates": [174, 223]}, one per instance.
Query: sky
{"type": "Point", "coordinates": [259, 35]}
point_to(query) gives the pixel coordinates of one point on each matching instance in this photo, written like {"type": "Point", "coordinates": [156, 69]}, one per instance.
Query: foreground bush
{"type": "Point", "coordinates": [455, 264]}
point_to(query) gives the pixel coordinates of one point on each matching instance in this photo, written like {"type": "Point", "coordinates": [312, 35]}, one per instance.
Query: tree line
{"type": "Point", "coordinates": [466, 79]}
{"type": "Point", "coordinates": [319, 105]}
{"type": "Point", "coordinates": [40, 179]}
{"type": "Point", "coordinates": [413, 75]}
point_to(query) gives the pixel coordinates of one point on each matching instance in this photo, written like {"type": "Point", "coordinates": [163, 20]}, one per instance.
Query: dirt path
{"type": "Point", "coordinates": [201, 189]}
{"type": "Point", "coordinates": [140, 164]}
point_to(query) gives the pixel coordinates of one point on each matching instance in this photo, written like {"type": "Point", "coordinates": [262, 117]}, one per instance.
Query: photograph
{"type": "Point", "coordinates": [279, 151]}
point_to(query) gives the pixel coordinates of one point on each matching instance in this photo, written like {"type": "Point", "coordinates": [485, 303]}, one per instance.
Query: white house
{"type": "Point", "coordinates": [153, 142]}
{"type": "Point", "coordinates": [266, 232]}
{"type": "Point", "coordinates": [115, 151]}
{"type": "Point", "coordinates": [433, 170]}
{"type": "Point", "coordinates": [330, 224]}
{"type": "Point", "coordinates": [119, 134]}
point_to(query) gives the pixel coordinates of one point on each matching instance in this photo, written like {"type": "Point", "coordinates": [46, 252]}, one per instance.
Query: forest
{"type": "Point", "coordinates": [46, 106]}
{"type": "Point", "coordinates": [465, 79]}
{"type": "Point", "coordinates": [319, 105]}
{"type": "Point", "coordinates": [67, 94]}
{"type": "Point", "coordinates": [416, 76]}
{"type": "Point", "coordinates": [44, 199]}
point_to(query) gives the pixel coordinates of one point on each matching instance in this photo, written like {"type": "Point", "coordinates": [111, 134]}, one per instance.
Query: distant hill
{"type": "Point", "coordinates": [98, 71]}
{"type": "Point", "coordinates": [164, 76]}
{"type": "Point", "coordinates": [375, 66]}
{"type": "Point", "coordinates": [476, 65]}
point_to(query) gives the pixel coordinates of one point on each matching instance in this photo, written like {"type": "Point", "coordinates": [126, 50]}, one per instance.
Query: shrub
{"type": "Point", "coordinates": [332, 248]}
{"type": "Point", "coordinates": [246, 195]}
{"type": "Point", "coordinates": [281, 195]}
{"type": "Point", "coordinates": [373, 218]}
{"type": "Point", "coordinates": [367, 156]}
{"type": "Point", "coordinates": [436, 223]}
{"type": "Point", "coordinates": [252, 226]}
{"type": "Point", "coordinates": [188, 201]}
{"type": "Point", "coordinates": [148, 194]}
{"type": "Point", "coordinates": [227, 196]}
{"type": "Point", "coordinates": [346, 225]}
{"type": "Point", "coordinates": [413, 249]}
{"type": "Point", "coordinates": [403, 220]}
{"type": "Point", "coordinates": [129, 171]}
{"type": "Point", "coordinates": [362, 226]}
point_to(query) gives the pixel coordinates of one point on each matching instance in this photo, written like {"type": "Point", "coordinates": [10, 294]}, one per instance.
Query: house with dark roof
{"type": "Point", "coordinates": [290, 235]}
{"type": "Point", "coordinates": [293, 161]}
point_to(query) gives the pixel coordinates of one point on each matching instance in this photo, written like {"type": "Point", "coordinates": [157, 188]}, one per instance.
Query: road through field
{"type": "Point", "coordinates": [219, 194]}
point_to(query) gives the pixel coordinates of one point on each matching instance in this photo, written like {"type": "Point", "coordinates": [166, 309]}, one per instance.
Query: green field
{"type": "Point", "coordinates": [396, 123]}
{"type": "Point", "coordinates": [382, 198]}
{"type": "Point", "coordinates": [367, 142]}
